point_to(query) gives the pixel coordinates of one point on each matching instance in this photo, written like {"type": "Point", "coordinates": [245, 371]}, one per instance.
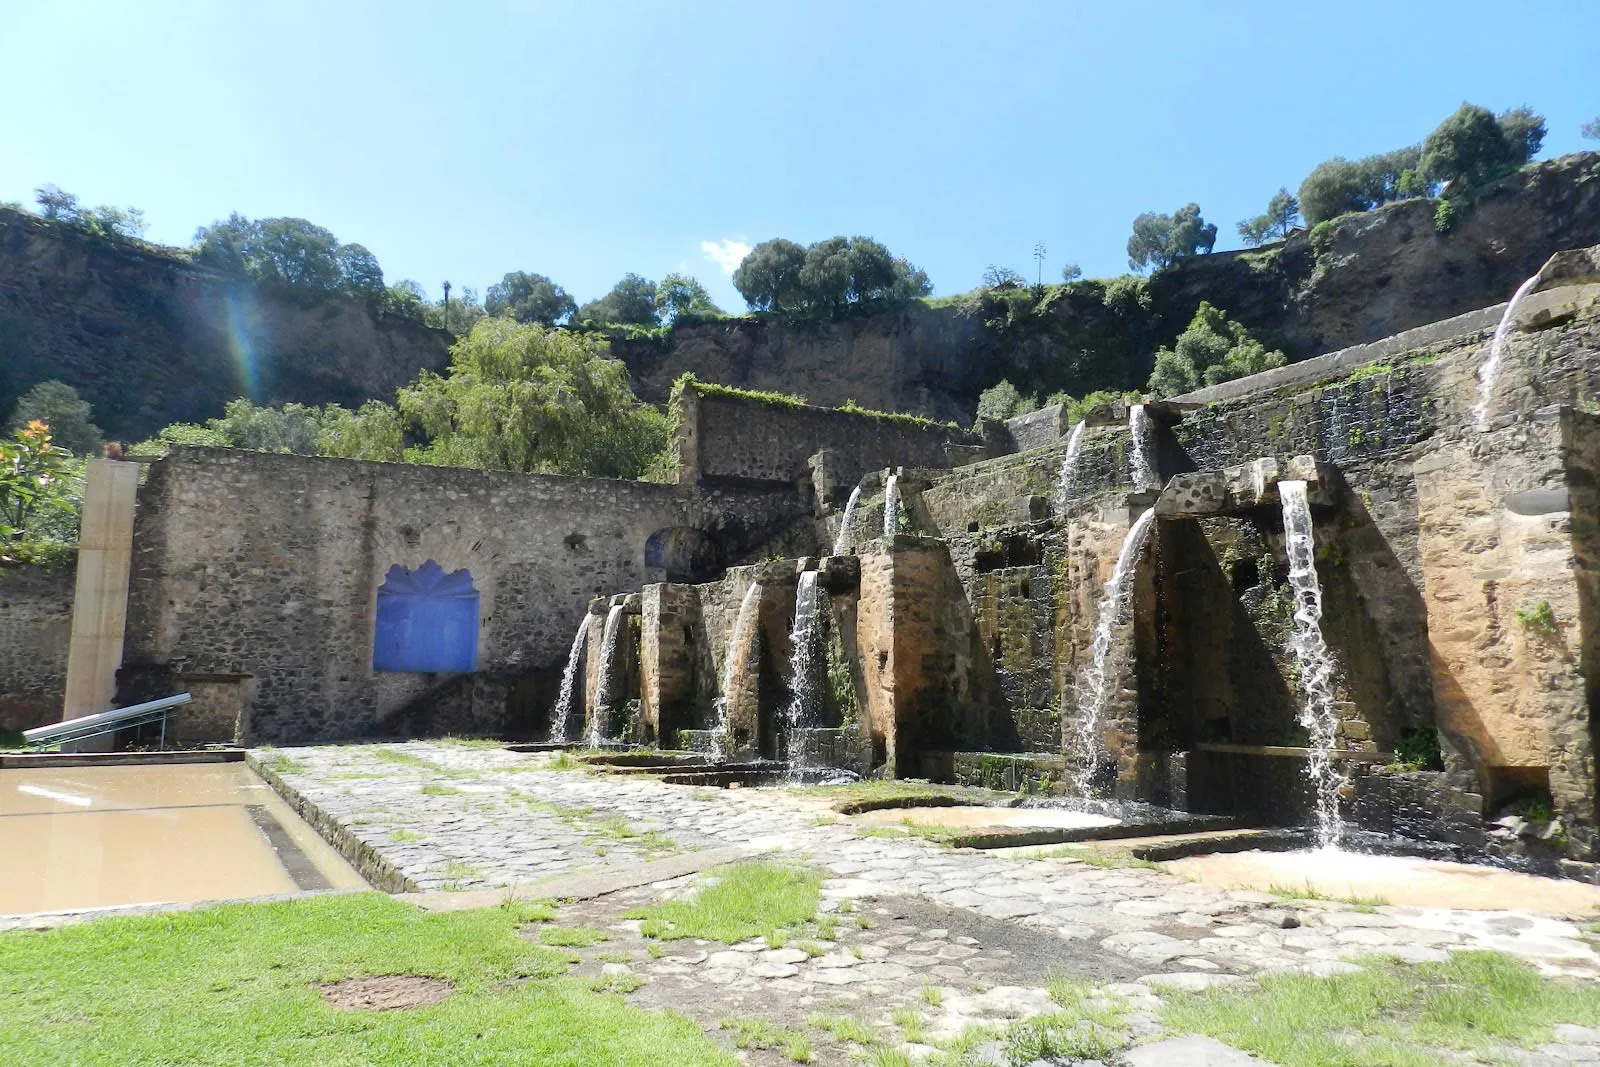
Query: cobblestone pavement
{"type": "Point", "coordinates": [974, 932]}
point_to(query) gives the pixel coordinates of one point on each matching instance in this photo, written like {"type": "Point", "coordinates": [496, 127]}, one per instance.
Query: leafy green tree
{"type": "Point", "coordinates": [680, 294]}
{"type": "Point", "coordinates": [1210, 350]}
{"type": "Point", "coordinates": [463, 313]}
{"type": "Point", "coordinates": [104, 221]}
{"type": "Point", "coordinates": [1473, 145]}
{"type": "Point", "coordinates": [998, 277]}
{"type": "Point", "coordinates": [372, 432]}
{"type": "Point", "coordinates": [769, 276]}
{"type": "Point", "coordinates": [58, 406]}
{"type": "Point", "coordinates": [632, 301]}
{"type": "Point", "coordinates": [1281, 216]}
{"type": "Point", "coordinates": [1523, 130]}
{"type": "Point", "coordinates": [1591, 129]}
{"type": "Point", "coordinates": [290, 254]}
{"type": "Point", "coordinates": [1003, 400]}
{"type": "Point", "coordinates": [1158, 240]}
{"type": "Point", "coordinates": [1340, 186]}
{"type": "Point", "coordinates": [405, 299]}
{"type": "Point", "coordinates": [523, 397]}
{"type": "Point", "coordinates": [1071, 272]}
{"type": "Point", "coordinates": [530, 298]}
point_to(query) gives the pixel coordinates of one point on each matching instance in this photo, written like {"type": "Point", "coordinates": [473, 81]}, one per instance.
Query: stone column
{"type": "Point", "coordinates": [100, 599]}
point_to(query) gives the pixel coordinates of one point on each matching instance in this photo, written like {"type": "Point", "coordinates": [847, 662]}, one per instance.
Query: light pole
{"type": "Point", "coordinates": [1038, 254]}
{"type": "Point", "coordinates": [447, 305]}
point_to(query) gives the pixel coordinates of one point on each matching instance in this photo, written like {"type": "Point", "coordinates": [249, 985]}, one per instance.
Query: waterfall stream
{"type": "Point", "coordinates": [1318, 714]}
{"type": "Point", "coordinates": [599, 731]}
{"type": "Point", "coordinates": [1096, 684]}
{"type": "Point", "coordinates": [1067, 480]}
{"type": "Point", "coordinates": [891, 506]}
{"type": "Point", "coordinates": [841, 540]}
{"type": "Point", "coordinates": [805, 637]}
{"type": "Point", "coordinates": [1139, 468]}
{"type": "Point", "coordinates": [569, 677]}
{"type": "Point", "coordinates": [1491, 368]}
{"type": "Point", "coordinates": [733, 668]}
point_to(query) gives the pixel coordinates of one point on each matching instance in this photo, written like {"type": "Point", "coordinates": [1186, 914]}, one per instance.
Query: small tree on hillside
{"type": "Point", "coordinates": [1158, 240]}
{"type": "Point", "coordinates": [679, 294]}
{"type": "Point", "coordinates": [1281, 216]}
{"type": "Point", "coordinates": [1591, 129]}
{"type": "Point", "coordinates": [529, 298]}
{"type": "Point", "coordinates": [632, 301]}
{"type": "Point", "coordinates": [58, 406]}
{"type": "Point", "coordinates": [1210, 350]}
{"type": "Point", "coordinates": [1472, 144]}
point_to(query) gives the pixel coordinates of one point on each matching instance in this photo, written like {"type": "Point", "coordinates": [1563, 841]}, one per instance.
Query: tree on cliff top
{"type": "Point", "coordinates": [827, 277]}
{"type": "Point", "coordinates": [103, 221]}
{"type": "Point", "coordinates": [529, 298]}
{"type": "Point", "coordinates": [525, 397]}
{"type": "Point", "coordinates": [1591, 129]}
{"type": "Point", "coordinates": [289, 254]}
{"type": "Point", "coordinates": [1281, 216]}
{"type": "Point", "coordinates": [1473, 144]}
{"type": "Point", "coordinates": [1212, 349]}
{"type": "Point", "coordinates": [1158, 240]}
{"type": "Point", "coordinates": [679, 294]}
{"type": "Point", "coordinates": [632, 301]}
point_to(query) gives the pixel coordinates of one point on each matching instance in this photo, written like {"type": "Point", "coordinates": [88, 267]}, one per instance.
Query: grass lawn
{"type": "Point", "coordinates": [747, 900]}
{"type": "Point", "coordinates": [1389, 1014]}
{"type": "Point", "coordinates": [236, 985]}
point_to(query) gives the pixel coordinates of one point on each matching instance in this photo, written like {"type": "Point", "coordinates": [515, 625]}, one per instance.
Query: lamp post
{"type": "Point", "coordinates": [1038, 254]}
{"type": "Point", "coordinates": [447, 305]}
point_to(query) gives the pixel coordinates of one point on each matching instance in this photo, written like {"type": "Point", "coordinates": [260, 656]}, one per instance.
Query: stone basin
{"type": "Point", "coordinates": [1401, 880]}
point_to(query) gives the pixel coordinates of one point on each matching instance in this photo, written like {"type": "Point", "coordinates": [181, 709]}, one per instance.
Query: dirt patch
{"type": "Point", "coordinates": [386, 992]}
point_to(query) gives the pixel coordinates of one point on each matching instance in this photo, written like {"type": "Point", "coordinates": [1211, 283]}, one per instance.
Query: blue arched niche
{"type": "Point", "coordinates": [427, 621]}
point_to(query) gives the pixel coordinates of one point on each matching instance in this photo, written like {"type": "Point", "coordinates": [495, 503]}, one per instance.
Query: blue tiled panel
{"type": "Point", "coordinates": [427, 621]}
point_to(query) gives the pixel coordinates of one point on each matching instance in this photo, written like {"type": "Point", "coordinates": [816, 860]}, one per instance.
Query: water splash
{"type": "Point", "coordinates": [569, 677]}
{"type": "Point", "coordinates": [805, 658]}
{"type": "Point", "coordinates": [1113, 605]}
{"type": "Point", "coordinates": [600, 718]}
{"type": "Point", "coordinates": [842, 540]}
{"type": "Point", "coordinates": [1491, 367]}
{"type": "Point", "coordinates": [891, 506]}
{"type": "Point", "coordinates": [738, 640]}
{"type": "Point", "coordinates": [1067, 480]}
{"type": "Point", "coordinates": [1318, 715]}
{"type": "Point", "coordinates": [1139, 468]}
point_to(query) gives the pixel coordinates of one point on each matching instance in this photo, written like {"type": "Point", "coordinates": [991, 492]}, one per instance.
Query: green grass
{"type": "Point", "coordinates": [747, 900]}
{"type": "Point", "coordinates": [403, 837]}
{"type": "Point", "coordinates": [1389, 1014]}
{"type": "Point", "coordinates": [1307, 892]}
{"type": "Point", "coordinates": [404, 759]}
{"type": "Point", "coordinates": [278, 763]}
{"type": "Point", "coordinates": [457, 874]}
{"type": "Point", "coordinates": [434, 789]}
{"type": "Point", "coordinates": [571, 936]}
{"type": "Point", "coordinates": [237, 985]}
{"type": "Point", "coordinates": [843, 1027]}
{"type": "Point", "coordinates": [1113, 858]}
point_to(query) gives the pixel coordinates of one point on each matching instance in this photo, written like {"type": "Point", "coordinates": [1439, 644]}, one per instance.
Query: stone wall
{"type": "Point", "coordinates": [149, 338]}
{"type": "Point", "coordinates": [35, 631]}
{"type": "Point", "coordinates": [261, 571]}
{"type": "Point", "coordinates": [727, 438]}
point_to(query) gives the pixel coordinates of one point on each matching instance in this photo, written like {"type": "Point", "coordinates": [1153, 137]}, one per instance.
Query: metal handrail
{"type": "Point", "coordinates": [105, 722]}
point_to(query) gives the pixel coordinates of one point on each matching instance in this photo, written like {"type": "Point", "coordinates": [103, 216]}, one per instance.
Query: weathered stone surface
{"type": "Point", "coordinates": [1191, 1051]}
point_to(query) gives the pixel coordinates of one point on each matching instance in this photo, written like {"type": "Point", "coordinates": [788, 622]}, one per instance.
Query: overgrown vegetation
{"type": "Point", "coordinates": [746, 900]}
{"type": "Point", "coordinates": [240, 984]}
{"type": "Point", "coordinates": [1211, 350]}
{"type": "Point", "coordinates": [827, 278]}
{"type": "Point", "coordinates": [41, 490]}
{"type": "Point", "coordinates": [1388, 1014]}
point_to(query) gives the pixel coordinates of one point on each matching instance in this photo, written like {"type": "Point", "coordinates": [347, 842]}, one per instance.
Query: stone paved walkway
{"type": "Point", "coordinates": [979, 929]}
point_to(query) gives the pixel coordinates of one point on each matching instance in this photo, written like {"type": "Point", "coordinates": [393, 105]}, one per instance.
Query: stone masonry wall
{"type": "Point", "coordinates": [35, 631]}
{"type": "Point", "coordinates": [264, 568]}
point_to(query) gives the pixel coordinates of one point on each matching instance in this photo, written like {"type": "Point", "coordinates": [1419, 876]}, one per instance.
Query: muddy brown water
{"type": "Point", "coordinates": [91, 837]}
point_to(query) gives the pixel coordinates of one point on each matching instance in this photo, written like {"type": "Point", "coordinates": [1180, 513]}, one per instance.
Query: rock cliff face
{"type": "Point", "coordinates": [1369, 276]}
{"type": "Point", "coordinates": [148, 338]}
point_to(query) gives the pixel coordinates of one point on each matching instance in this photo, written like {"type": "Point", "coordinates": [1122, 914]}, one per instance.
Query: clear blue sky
{"type": "Point", "coordinates": [585, 140]}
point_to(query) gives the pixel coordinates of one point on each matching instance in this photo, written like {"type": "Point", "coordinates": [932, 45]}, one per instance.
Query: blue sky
{"type": "Point", "coordinates": [583, 140]}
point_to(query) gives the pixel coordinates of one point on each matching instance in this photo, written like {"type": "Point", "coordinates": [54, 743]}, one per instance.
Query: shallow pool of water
{"type": "Point", "coordinates": [1404, 880]}
{"type": "Point", "coordinates": [966, 816]}
{"type": "Point", "coordinates": [91, 837]}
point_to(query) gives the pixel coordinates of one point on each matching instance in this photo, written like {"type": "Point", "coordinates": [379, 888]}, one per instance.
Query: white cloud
{"type": "Point", "coordinates": [727, 253]}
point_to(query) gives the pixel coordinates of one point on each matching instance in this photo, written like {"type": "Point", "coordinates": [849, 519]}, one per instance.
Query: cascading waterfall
{"type": "Point", "coordinates": [891, 506]}
{"type": "Point", "coordinates": [1113, 603]}
{"type": "Point", "coordinates": [1067, 480]}
{"type": "Point", "coordinates": [603, 696]}
{"type": "Point", "coordinates": [1139, 468]}
{"type": "Point", "coordinates": [1318, 714]}
{"type": "Point", "coordinates": [569, 677]}
{"type": "Point", "coordinates": [805, 638]}
{"type": "Point", "coordinates": [842, 540]}
{"type": "Point", "coordinates": [1491, 367]}
{"type": "Point", "coordinates": [737, 640]}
